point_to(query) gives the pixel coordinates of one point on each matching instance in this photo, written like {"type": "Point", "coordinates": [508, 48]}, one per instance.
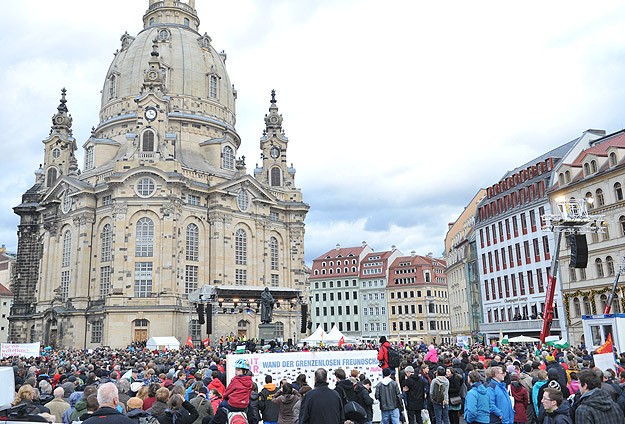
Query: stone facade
{"type": "Point", "coordinates": [162, 206]}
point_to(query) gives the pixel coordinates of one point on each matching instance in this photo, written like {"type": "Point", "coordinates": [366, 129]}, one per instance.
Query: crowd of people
{"type": "Point", "coordinates": [432, 384]}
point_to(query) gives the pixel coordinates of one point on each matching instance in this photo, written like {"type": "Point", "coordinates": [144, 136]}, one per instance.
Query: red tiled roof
{"type": "Point", "coordinates": [601, 148]}
{"type": "Point", "coordinates": [342, 252]}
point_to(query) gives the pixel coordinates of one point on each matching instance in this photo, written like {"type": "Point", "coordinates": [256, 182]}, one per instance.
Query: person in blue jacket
{"type": "Point", "coordinates": [477, 402]}
{"type": "Point", "coordinates": [500, 405]}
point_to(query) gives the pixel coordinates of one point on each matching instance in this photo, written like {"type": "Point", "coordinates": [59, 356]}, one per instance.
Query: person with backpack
{"type": "Point", "coordinates": [415, 395]}
{"type": "Point", "coordinates": [269, 411]}
{"type": "Point", "coordinates": [174, 414]}
{"type": "Point", "coordinates": [286, 399]}
{"type": "Point", "coordinates": [237, 394]}
{"type": "Point", "coordinates": [383, 352]}
{"type": "Point", "coordinates": [439, 395]}
{"type": "Point", "coordinates": [388, 393]}
{"type": "Point", "coordinates": [346, 390]}
{"type": "Point", "coordinates": [203, 405]}
{"type": "Point", "coordinates": [134, 411]}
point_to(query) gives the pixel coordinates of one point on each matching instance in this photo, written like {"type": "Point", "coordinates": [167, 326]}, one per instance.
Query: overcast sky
{"type": "Point", "coordinates": [397, 112]}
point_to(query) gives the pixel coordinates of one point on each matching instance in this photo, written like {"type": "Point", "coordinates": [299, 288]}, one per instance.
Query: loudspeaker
{"type": "Point", "coordinates": [209, 319]}
{"type": "Point", "coordinates": [579, 250]}
{"type": "Point", "coordinates": [200, 313]}
{"type": "Point", "coordinates": [304, 321]}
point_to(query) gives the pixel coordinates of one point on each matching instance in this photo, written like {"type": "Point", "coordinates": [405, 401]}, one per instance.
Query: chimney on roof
{"type": "Point", "coordinates": [364, 243]}
{"type": "Point", "coordinates": [413, 253]}
{"type": "Point", "coordinates": [338, 246]}
{"type": "Point", "coordinates": [430, 255]}
{"type": "Point", "coordinates": [393, 247]}
{"type": "Point", "coordinates": [3, 249]}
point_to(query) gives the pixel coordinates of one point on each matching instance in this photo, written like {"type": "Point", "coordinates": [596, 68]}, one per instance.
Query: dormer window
{"type": "Point", "coordinates": [586, 169]}
{"type": "Point", "coordinates": [212, 87]}
{"type": "Point", "coordinates": [227, 158]}
{"type": "Point", "coordinates": [613, 159]}
{"type": "Point", "coordinates": [593, 166]}
{"type": "Point", "coordinates": [89, 159]}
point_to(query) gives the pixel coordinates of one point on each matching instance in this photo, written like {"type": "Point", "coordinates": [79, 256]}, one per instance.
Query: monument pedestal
{"type": "Point", "coordinates": [268, 332]}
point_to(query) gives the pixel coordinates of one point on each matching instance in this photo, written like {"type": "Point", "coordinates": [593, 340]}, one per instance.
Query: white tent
{"type": "Point", "coordinates": [523, 339]}
{"type": "Point", "coordinates": [335, 335]}
{"type": "Point", "coordinates": [162, 343]}
{"type": "Point", "coordinates": [318, 336]}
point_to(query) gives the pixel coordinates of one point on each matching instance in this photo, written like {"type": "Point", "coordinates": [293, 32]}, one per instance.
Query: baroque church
{"type": "Point", "coordinates": [162, 208]}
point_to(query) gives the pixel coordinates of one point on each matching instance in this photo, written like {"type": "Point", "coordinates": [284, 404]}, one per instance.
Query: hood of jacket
{"type": "Point", "coordinates": [346, 385]}
{"type": "Point", "coordinates": [597, 399]}
{"type": "Point", "coordinates": [562, 409]}
{"type": "Point", "coordinates": [270, 386]}
{"type": "Point", "coordinates": [386, 380]}
{"type": "Point", "coordinates": [479, 387]}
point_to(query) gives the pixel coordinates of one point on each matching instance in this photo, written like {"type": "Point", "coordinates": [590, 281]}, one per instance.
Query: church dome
{"type": "Point", "coordinates": [193, 73]}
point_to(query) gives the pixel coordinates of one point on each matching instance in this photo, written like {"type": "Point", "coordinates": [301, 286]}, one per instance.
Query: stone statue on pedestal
{"type": "Point", "coordinates": [266, 306]}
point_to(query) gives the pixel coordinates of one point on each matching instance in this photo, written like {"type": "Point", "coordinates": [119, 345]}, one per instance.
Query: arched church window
{"type": "Point", "coordinates": [67, 248]}
{"type": "Point", "coordinates": [613, 159]}
{"type": "Point", "coordinates": [273, 247]}
{"type": "Point", "coordinates": [107, 239]}
{"type": "Point", "coordinates": [276, 175]}
{"type": "Point", "coordinates": [227, 158]}
{"type": "Point", "coordinates": [51, 178]}
{"type": "Point", "coordinates": [600, 198]}
{"type": "Point", "coordinates": [89, 158]}
{"type": "Point", "coordinates": [147, 141]}
{"type": "Point", "coordinates": [243, 200]}
{"type": "Point", "coordinates": [112, 86]}
{"type": "Point", "coordinates": [145, 238]}
{"type": "Point", "coordinates": [240, 247]}
{"type": "Point", "coordinates": [193, 242]}
{"type": "Point", "coordinates": [212, 87]}
{"type": "Point", "coordinates": [186, 22]}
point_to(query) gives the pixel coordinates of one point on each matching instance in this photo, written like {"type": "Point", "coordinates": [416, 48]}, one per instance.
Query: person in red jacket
{"type": "Point", "coordinates": [237, 394]}
{"type": "Point", "coordinates": [383, 352]}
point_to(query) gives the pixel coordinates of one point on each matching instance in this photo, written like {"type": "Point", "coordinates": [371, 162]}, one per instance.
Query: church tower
{"type": "Point", "coordinates": [163, 206]}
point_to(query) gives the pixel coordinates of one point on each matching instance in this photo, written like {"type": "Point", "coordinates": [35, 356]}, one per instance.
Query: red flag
{"type": "Point", "coordinates": [341, 341]}
{"type": "Point", "coordinates": [190, 341]}
{"type": "Point", "coordinates": [206, 341]}
{"type": "Point", "coordinates": [607, 346]}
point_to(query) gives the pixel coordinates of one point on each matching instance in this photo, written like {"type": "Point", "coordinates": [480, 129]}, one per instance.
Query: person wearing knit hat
{"type": "Point", "coordinates": [134, 403]}
{"type": "Point", "coordinates": [136, 412]}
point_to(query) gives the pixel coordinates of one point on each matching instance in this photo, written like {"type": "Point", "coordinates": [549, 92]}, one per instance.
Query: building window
{"type": "Point", "coordinates": [64, 286]}
{"type": "Point", "coordinates": [195, 329]}
{"type": "Point", "coordinates": [106, 237]}
{"type": "Point", "coordinates": [67, 248]}
{"type": "Point", "coordinates": [112, 86]}
{"type": "Point", "coordinates": [577, 308]}
{"type": "Point", "coordinates": [145, 238]}
{"type": "Point", "coordinates": [89, 158]}
{"type": "Point", "coordinates": [147, 141]}
{"type": "Point", "coordinates": [587, 309]}
{"type": "Point", "coordinates": [599, 266]}
{"type": "Point", "coordinates": [240, 278]}
{"type": "Point", "coordinates": [275, 176]}
{"type": "Point", "coordinates": [105, 281]}
{"type": "Point", "coordinates": [193, 200]}
{"type": "Point", "coordinates": [190, 278]}
{"type": "Point", "coordinates": [610, 264]}
{"type": "Point", "coordinates": [613, 159]}
{"type": "Point", "coordinates": [243, 200]}
{"type": "Point", "coordinates": [107, 200]}
{"type": "Point", "coordinates": [96, 331]}
{"type": "Point", "coordinates": [145, 187]}
{"type": "Point", "coordinates": [273, 252]}
{"type": "Point", "coordinates": [193, 243]}
{"type": "Point", "coordinates": [600, 199]}
{"type": "Point", "coordinates": [275, 280]}
{"type": "Point", "coordinates": [51, 177]}
{"type": "Point", "coordinates": [143, 279]}
{"type": "Point", "coordinates": [240, 247]}
{"type": "Point", "coordinates": [212, 89]}
{"type": "Point", "coordinates": [618, 192]}
{"type": "Point", "coordinates": [227, 158]}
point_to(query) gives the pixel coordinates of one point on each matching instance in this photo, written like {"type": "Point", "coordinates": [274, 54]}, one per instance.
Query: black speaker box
{"type": "Point", "coordinates": [579, 250]}
{"type": "Point", "coordinates": [209, 319]}
{"type": "Point", "coordinates": [200, 313]}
